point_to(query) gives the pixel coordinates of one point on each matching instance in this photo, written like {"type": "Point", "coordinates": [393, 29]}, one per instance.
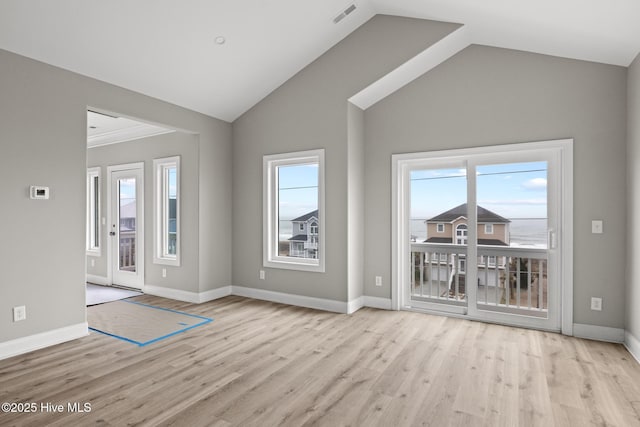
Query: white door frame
{"type": "Point", "coordinates": [139, 166]}
{"type": "Point", "coordinates": [401, 164]}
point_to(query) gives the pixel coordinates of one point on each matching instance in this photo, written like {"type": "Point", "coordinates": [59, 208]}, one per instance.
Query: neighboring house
{"type": "Point", "coordinates": [450, 227]}
{"type": "Point", "coordinates": [304, 243]}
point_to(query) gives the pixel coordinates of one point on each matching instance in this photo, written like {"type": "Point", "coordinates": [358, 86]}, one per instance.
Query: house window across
{"type": "Point", "coordinates": [440, 228]}
{"type": "Point", "coordinates": [93, 211]}
{"type": "Point", "coordinates": [461, 234]}
{"type": "Point", "coordinates": [293, 186]}
{"type": "Point", "coordinates": [167, 211]}
{"type": "Point", "coordinates": [488, 229]}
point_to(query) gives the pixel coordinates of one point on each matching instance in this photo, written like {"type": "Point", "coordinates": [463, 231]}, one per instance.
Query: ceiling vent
{"type": "Point", "coordinates": [344, 13]}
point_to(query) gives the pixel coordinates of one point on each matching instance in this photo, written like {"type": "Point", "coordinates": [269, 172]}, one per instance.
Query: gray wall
{"type": "Point", "coordinates": [309, 111]}
{"type": "Point", "coordinates": [43, 142]}
{"type": "Point", "coordinates": [633, 200]}
{"type": "Point", "coordinates": [486, 96]}
{"type": "Point", "coordinates": [185, 277]}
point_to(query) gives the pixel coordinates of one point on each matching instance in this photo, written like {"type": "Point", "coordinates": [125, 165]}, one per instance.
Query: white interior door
{"type": "Point", "coordinates": [126, 226]}
{"type": "Point", "coordinates": [479, 233]}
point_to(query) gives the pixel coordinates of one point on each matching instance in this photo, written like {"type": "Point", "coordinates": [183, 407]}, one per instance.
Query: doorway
{"type": "Point", "coordinates": [485, 234]}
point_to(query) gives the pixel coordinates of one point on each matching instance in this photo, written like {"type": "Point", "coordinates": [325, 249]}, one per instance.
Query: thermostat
{"type": "Point", "coordinates": [38, 192]}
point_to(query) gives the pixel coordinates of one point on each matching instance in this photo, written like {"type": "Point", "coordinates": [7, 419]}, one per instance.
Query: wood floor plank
{"type": "Point", "coordinates": [266, 364]}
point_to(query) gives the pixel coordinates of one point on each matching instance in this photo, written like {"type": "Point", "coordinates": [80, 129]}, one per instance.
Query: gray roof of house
{"type": "Point", "coordinates": [306, 217]}
{"type": "Point", "coordinates": [484, 215]}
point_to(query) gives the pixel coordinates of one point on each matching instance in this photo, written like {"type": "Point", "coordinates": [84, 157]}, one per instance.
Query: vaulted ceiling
{"type": "Point", "coordinates": [221, 57]}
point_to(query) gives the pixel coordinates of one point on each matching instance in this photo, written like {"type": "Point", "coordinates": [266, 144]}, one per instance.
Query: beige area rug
{"type": "Point", "coordinates": [138, 323]}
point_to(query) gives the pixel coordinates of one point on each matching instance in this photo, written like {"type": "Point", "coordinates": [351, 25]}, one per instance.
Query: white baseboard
{"type": "Point", "coordinates": [355, 305]}
{"type": "Point", "coordinates": [176, 294]}
{"type": "Point", "coordinates": [98, 280]}
{"type": "Point", "coordinates": [598, 333]}
{"type": "Point", "coordinates": [633, 345]}
{"type": "Point", "coordinates": [44, 339]}
{"type": "Point", "coordinates": [214, 294]}
{"type": "Point", "coordinates": [291, 299]}
{"type": "Point", "coordinates": [187, 296]}
{"type": "Point", "coordinates": [377, 302]}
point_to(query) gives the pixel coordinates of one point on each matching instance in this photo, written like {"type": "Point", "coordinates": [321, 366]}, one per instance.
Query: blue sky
{"type": "Point", "coordinates": [298, 190]}
{"type": "Point", "coordinates": [514, 190]}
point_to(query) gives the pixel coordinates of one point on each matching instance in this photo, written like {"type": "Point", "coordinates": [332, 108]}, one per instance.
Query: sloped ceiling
{"type": "Point", "coordinates": [168, 50]}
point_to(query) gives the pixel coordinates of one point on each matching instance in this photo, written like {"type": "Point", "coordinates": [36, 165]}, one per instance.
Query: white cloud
{"type": "Point", "coordinates": [535, 184]}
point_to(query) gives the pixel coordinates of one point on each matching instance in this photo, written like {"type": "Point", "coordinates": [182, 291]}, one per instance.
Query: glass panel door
{"type": "Point", "coordinates": [438, 236]}
{"type": "Point", "coordinates": [126, 229]}
{"type": "Point", "coordinates": [127, 215]}
{"type": "Point", "coordinates": [512, 237]}
{"type": "Point", "coordinates": [517, 198]}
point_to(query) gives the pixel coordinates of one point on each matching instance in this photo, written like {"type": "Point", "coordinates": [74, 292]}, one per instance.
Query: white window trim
{"type": "Point", "coordinates": [488, 229]}
{"type": "Point", "coordinates": [440, 227]}
{"type": "Point", "coordinates": [270, 211]}
{"type": "Point", "coordinates": [92, 248]}
{"type": "Point", "coordinates": [160, 210]}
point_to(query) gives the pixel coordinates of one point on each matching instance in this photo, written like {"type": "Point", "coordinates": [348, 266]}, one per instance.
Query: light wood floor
{"type": "Point", "coordinates": [264, 364]}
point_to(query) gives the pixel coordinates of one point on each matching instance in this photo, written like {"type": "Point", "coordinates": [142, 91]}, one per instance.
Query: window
{"type": "Point", "coordinates": [167, 211]}
{"type": "Point", "coordinates": [293, 192]}
{"type": "Point", "coordinates": [93, 211]}
{"type": "Point", "coordinates": [488, 229]}
{"type": "Point", "coordinates": [461, 234]}
{"type": "Point", "coordinates": [301, 227]}
{"type": "Point", "coordinates": [440, 228]}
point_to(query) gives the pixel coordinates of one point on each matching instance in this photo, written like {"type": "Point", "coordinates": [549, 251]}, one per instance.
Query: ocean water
{"type": "Point", "coordinates": [528, 232]}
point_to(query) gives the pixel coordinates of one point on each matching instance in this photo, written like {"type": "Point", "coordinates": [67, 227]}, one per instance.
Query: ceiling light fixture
{"type": "Point", "coordinates": [344, 13]}
{"type": "Point", "coordinates": [220, 40]}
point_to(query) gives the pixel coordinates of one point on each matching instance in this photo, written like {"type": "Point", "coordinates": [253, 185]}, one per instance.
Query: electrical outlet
{"type": "Point", "coordinates": [262, 275]}
{"type": "Point", "coordinates": [164, 272]}
{"type": "Point", "coordinates": [19, 313]}
{"type": "Point", "coordinates": [597, 226]}
{"type": "Point", "coordinates": [378, 280]}
{"type": "Point", "coordinates": [596, 304]}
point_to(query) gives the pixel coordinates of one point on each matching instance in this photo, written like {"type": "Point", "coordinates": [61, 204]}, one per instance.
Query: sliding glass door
{"type": "Point", "coordinates": [478, 233]}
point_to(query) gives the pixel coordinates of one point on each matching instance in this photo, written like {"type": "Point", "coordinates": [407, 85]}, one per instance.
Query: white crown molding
{"type": "Point", "coordinates": [142, 130]}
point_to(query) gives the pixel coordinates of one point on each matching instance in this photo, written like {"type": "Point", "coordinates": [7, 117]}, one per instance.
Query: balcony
{"type": "Point", "coordinates": [311, 245]}
{"type": "Point", "coordinates": [510, 279]}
